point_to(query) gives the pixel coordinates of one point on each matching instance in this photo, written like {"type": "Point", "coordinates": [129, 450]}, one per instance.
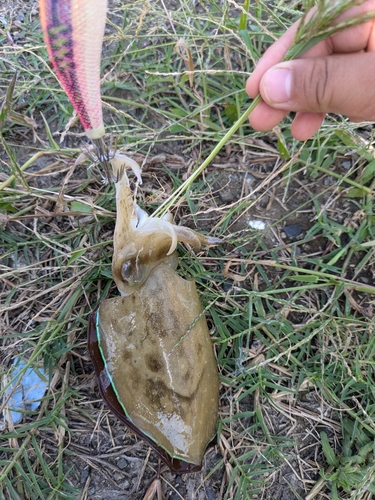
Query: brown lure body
{"type": "Point", "coordinates": [153, 340]}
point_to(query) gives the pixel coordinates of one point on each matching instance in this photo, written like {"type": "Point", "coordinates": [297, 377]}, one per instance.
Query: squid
{"type": "Point", "coordinates": [150, 346]}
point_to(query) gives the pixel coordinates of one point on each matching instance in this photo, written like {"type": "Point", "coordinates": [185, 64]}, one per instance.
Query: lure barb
{"type": "Point", "coordinates": [103, 156]}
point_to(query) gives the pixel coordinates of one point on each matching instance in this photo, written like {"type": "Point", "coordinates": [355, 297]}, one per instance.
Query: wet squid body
{"type": "Point", "coordinates": [153, 339]}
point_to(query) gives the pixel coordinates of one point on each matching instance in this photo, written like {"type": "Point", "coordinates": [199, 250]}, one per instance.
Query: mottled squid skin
{"type": "Point", "coordinates": [154, 339]}
{"type": "Point", "coordinates": [73, 32]}
{"type": "Point", "coordinates": [162, 368]}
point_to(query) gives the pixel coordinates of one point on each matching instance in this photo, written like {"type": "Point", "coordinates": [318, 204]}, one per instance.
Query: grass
{"type": "Point", "coordinates": [291, 319]}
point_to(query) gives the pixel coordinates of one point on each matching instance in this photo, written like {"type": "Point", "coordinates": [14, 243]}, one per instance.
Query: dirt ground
{"type": "Point", "coordinates": [108, 461]}
{"type": "Point", "coordinates": [103, 459]}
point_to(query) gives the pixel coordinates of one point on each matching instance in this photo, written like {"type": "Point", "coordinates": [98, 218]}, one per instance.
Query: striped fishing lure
{"type": "Point", "coordinates": [73, 32]}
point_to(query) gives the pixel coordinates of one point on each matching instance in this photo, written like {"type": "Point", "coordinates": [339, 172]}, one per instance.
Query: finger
{"type": "Point", "coordinates": [341, 84]}
{"type": "Point", "coordinates": [351, 40]}
{"type": "Point", "coordinates": [305, 125]}
{"type": "Point", "coordinates": [265, 118]}
{"type": "Point", "coordinates": [358, 37]}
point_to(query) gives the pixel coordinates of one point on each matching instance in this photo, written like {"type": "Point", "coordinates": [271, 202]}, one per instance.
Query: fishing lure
{"type": "Point", "coordinates": [151, 347]}
{"type": "Point", "coordinates": [73, 32]}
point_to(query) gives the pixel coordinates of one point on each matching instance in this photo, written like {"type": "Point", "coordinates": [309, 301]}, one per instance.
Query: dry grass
{"type": "Point", "coordinates": [291, 317]}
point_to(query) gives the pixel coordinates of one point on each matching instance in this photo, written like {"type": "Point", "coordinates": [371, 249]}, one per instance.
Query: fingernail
{"type": "Point", "coordinates": [276, 85]}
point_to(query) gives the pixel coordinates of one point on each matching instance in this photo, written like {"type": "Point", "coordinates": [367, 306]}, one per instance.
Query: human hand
{"type": "Point", "coordinates": [335, 76]}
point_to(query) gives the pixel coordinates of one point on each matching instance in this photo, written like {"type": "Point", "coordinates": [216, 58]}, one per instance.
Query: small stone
{"type": "Point", "coordinates": [263, 202]}
{"type": "Point", "coordinates": [122, 463]}
{"type": "Point", "coordinates": [209, 494]}
{"type": "Point", "coordinates": [125, 485]}
{"type": "Point", "coordinates": [328, 181]}
{"type": "Point", "coordinates": [227, 286]}
{"type": "Point", "coordinates": [231, 288]}
{"type": "Point", "coordinates": [226, 195]}
{"type": "Point", "coordinates": [16, 35]}
{"type": "Point", "coordinates": [84, 476]}
{"type": "Point", "coordinates": [346, 164]}
{"type": "Point", "coordinates": [292, 231]}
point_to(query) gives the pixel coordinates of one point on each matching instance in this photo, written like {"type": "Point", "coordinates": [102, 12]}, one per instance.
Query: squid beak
{"type": "Point", "coordinates": [103, 156]}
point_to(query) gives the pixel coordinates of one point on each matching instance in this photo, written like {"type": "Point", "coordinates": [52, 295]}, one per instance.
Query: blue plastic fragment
{"type": "Point", "coordinates": [27, 390]}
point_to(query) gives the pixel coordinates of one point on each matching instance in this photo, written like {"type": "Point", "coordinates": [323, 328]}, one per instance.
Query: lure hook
{"type": "Point", "coordinates": [103, 156]}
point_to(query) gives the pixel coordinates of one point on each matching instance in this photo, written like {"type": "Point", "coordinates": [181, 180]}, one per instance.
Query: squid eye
{"type": "Point", "coordinates": [127, 271]}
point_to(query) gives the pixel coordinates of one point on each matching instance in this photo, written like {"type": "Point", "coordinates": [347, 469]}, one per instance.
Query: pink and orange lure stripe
{"type": "Point", "coordinates": [73, 32]}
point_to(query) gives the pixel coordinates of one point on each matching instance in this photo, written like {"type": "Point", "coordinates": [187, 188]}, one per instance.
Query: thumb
{"type": "Point", "coordinates": [342, 84]}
